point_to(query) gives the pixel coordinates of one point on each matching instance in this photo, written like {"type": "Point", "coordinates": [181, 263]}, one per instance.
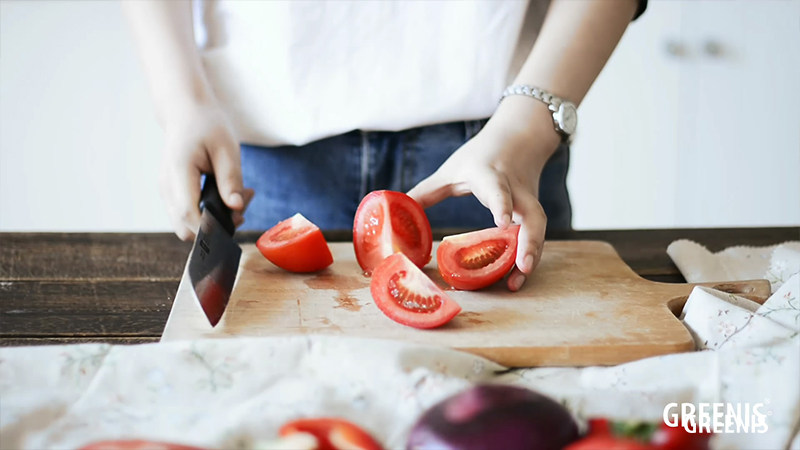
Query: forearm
{"type": "Point", "coordinates": [165, 41]}
{"type": "Point", "coordinates": [574, 44]}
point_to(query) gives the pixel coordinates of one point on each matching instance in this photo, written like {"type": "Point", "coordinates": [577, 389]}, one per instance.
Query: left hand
{"type": "Point", "coordinates": [501, 166]}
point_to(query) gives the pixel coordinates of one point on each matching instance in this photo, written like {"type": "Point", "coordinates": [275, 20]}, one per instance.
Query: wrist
{"type": "Point", "coordinates": [185, 100]}
{"type": "Point", "coordinates": [528, 122]}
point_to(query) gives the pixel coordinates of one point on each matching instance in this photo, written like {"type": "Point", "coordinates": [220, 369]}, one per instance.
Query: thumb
{"type": "Point", "coordinates": [226, 161]}
{"type": "Point", "coordinates": [431, 191]}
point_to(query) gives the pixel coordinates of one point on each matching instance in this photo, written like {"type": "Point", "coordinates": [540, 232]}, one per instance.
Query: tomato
{"type": "Point", "coordinates": [388, 222]}
{"type": "Point", "coordinates": [406, 295]}
{"type": "Point", "coordinates": [332, 434]}
{"type": "Point", "coordinates": [601, 437]}
{"type": "Point", "coordinates": [296, 245]}
{"type": "Point", "coordinates": [478, 259]}
{"type": "Point", "coordinates": [677, 438]}
{"type": "Point", "coordinates": [134, 444]}
{"type": "Point", "coordinates": [608, 442]}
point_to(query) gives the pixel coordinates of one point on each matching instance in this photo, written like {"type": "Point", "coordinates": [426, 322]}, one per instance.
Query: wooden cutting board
{"type": "Point", "coordinates": [582, 306]}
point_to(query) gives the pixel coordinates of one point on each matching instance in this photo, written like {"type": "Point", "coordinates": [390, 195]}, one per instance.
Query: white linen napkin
{"type": "Point", "coordinates": [776, 263]}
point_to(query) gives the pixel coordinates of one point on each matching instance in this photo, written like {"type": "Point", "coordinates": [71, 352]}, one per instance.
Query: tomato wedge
{"type": "Point", "coordinates": [477, 259]}
{"type": "Point", "coordinates": [388, 222]}
{"type": "Point", "coordinates": [406, 295]}
{"type": "Point", "coordinates": [332, 434]}
{"type": "Point", "coordinates": [296, 245]}
{"type": "Point", "coordinates": [136, 444]}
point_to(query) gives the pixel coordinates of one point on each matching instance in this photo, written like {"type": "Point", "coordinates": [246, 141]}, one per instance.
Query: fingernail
{"type": "Point", "coordinates": [236, 199]}
{"type": "Point", "coordinates": [528, 263]}
{"type": "Point", "coordinates": [517, 282]}
{"type": "Point", "coordinates": [505, 221]}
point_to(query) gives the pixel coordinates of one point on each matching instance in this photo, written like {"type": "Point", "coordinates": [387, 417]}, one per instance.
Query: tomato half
{"type": "Point", "coordinates": [332, 434]}
{"type": "Point", "coordinates": [135, 444]}
{"type": "Point", "coordinates": [477, 259]}
{"type": "Point", "coordinates": [406, 295]}
{"type": "Point", "coordinates": [388, 222]}
{"type": "Point", "coordinates": [296, 245]}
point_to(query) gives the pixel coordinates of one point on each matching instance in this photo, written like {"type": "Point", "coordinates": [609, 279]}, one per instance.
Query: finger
{"type": "Point", "coordinates": [186, 194]}
{"type": "Point", "coordinates": [516, 280]}
{"type": "Point", "coordinates": [494, 193]}
{"type": "Point", "coordinates": [180, 190]}
{"type": "Point", "coordinates": [238, 219]}
{"type": "Point", "coordinates": [529, 213]}
{"type": "Point", "coordinates": [248, 195]}
{"type": "Point", "coordinates": [431, 190]}
{"type": "Point", "coordinates": [226, 161]}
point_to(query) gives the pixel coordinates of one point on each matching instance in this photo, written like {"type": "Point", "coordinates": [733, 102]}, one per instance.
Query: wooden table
{"type": "Point", "coordinates": [118, 287]}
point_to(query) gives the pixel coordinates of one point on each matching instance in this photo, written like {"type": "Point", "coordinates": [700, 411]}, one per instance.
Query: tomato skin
{"type": "Point", "coordinates": [600, 437]}
{"type": "Point", "coordinates": [135, 444]}
{"type": "Point", "coordinates": [608, 442]}
{"type": "Point", "coordinates": [296, 245]}
{"type": "Point", "coordinates": [332, 433]}
{"type": "Point", "coordinates": [677, 438]}
{"type": "Point", "coordinates": [397, 282]}
{"type": "Point", "coordinates": [478, 259]}
{"type": "Point", "coordinates": [388, 222]}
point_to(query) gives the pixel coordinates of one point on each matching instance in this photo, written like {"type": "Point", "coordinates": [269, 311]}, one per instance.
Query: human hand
{"type": "Point", "coordinates": [200, 141]}
{"type": "Point", "coordinates": [501, 166]}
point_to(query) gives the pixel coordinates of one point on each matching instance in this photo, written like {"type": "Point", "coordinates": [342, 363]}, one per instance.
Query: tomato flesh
{"type": "Point", "coordinates": [477, 259]}
{"type": "Point", "coordinates": [332, 434]}
{"type": "Point", "coordinates": [406, 295]}
{"type": "Point", "coordinates": [296, 245]}
{"type": "Point", "coordinates": [388, 222]}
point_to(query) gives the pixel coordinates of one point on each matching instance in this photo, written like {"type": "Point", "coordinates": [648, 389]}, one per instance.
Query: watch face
{"type": "Point", "coordinates": [567, 117]}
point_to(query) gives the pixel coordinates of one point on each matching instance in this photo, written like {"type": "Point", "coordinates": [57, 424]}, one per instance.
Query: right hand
{"type": "Point", "coordinates": [197, 142]}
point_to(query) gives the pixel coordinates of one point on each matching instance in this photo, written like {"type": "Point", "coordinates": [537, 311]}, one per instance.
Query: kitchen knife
{"type": "Point", "coordinates": [215, 256]}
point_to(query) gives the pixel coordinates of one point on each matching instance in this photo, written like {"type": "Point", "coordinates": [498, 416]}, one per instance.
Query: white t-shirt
{"type": "Point", "coordinates": [291, 72]}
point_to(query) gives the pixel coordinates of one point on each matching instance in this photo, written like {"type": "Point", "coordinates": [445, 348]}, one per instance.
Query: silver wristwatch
{"type": "Point", "coordinates": [565, 115]}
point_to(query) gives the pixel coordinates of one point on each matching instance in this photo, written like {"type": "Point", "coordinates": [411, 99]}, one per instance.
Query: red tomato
{"type": "Point", "coordinates": [600, 437]}
{"type": "Point", "coordinates": [677, 438]}
{"type": "Point", "coordinates": [134, 444]}
{"type": "Point", "coordinates": [388, 222]}
{"type": "Point", "coordinates": [332, 434]}
{"type": "Point", "coordinates": [406, 295]}
{"type": "Point", "coordinates": [478, 259]}
{"type": "Point", "coordinates": [296, 245]}
{"type": "Point", "coordinates": [608, 442]}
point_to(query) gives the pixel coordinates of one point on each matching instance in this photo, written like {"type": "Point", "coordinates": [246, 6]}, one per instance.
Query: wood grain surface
{"type": "Point", "coordinates": [582, 306]}
{"type": "Point", "coordinates": [139, 273]}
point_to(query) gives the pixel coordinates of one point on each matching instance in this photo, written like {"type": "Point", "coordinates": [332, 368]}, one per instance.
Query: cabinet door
{"type": "Point", "coordinates": [741, 164]}
{"type": "Point", "coordinates": [623, 167]}
{"type": "Point", "coordinates": [695, 121]}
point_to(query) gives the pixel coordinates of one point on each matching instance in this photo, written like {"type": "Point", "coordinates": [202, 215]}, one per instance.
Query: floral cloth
{"type": "Point", "coordinates": [233, 393]}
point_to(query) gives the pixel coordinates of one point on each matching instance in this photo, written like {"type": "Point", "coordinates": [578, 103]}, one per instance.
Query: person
{"type": "Point", "coordinates": [314, 104]}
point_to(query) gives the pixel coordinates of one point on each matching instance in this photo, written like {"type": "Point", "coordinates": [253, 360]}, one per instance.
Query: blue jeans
{"type": "Point", "coordinates": [326, 180]}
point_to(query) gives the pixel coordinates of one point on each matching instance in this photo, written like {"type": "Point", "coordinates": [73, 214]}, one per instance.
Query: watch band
{"type": "Point", "coordinates": [564, 112]}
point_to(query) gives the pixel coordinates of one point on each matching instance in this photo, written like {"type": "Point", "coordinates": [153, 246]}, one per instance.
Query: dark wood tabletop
{"type": "Point", "coordinates": [119, 287]}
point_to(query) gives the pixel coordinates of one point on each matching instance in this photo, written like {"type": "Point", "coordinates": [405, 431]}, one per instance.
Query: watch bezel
{"type": "Point", "coordinates": [559, 118]}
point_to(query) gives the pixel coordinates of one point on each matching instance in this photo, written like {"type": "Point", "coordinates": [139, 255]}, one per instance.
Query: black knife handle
{"type": "Point", "coordinates": [212, 201]}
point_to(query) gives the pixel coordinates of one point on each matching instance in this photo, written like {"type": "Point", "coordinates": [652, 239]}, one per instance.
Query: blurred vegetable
{"type": "Point", "coordinates": [606, 435]}
{"type": "Point", "coordinates": [494, 417]}
{"type": "Point", "coordinates": [136, 444]}
{"type": "Point", "coordinates": [677, 438]}
{"type": "Point", "coordinates": [332, 434]}
{"type": "Point", "coordinates": [603, 435]}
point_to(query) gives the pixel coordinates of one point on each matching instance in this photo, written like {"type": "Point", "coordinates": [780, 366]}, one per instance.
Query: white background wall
{"type": "Point", "coordinates": [79, 144]}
